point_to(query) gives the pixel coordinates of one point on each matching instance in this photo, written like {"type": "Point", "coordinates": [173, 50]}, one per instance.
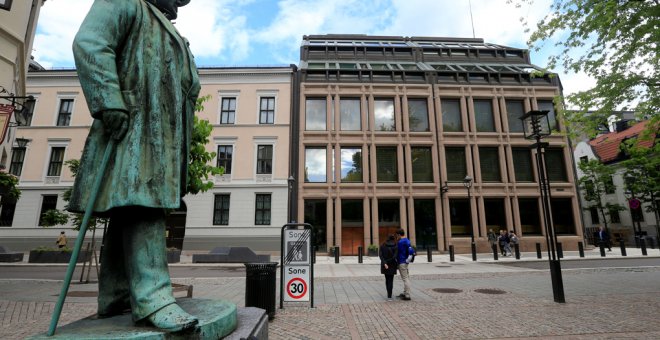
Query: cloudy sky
{"type": "Point", "coordinates": [269, 32]}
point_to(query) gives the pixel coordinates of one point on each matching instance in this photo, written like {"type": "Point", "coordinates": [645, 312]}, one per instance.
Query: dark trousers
{"type": "Point", "coordinates": [606, 244]}
{"type": "Point", "coordinates": [134, 270]}
{"type": "Point", "coordinates": [389, 284]}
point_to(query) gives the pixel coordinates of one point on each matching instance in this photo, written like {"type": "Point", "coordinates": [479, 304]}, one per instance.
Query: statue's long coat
{"type": "Point", "coordinates": [131, 58]}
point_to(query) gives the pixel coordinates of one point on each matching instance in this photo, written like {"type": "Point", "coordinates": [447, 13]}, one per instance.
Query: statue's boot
{"type": "Point", "coordinates": [172, 318]}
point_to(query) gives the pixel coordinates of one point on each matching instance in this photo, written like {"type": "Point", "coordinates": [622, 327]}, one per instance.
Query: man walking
{"type": "Point", "coordinates": [604, 238]}
{"type": "Point", "coordinates": [403, 248]}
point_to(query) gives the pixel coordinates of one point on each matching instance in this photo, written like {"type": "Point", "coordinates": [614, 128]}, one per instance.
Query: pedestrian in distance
{"type": "Point", "coordinates": [388, 263]}
{"type": "Point", "coordinates": [504, 243]}
{"type": "Point", "coordinates": [61, 240]}
{"type": "Point", "coordinates": [513, 238]}
{"type": "Point", "coordinates": [604, 238]}
{"type": "Point", "coordinates": [403, 248]}
{"type": "Point", "coordinates": [492, 238]}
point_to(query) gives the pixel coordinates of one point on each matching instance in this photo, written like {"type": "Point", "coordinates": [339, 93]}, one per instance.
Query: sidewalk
{"type": "Point", "coordinates": [451, 300]}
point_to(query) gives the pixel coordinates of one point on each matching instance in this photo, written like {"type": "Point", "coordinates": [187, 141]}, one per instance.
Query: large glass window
{"type": "Point", "coordinates": [267, 110]}
{"type": "Point", "coordinates": [384, 115]}
{"type": "Point", "coordinates": [351, 164]}
{"type": "Point", "coordinates": [228, 110]}
{"type": "Point", "coordinates": [262, 210]}
{"type": "Point", "coordinates": [456, 167]}
{"type": "Point", "coordinates": [386, 164]}
{"type": "Point", "coordinates": [522, 164]}
{"type": "Point", "coordinates": [221, 210]}
{"type": "Point", "coordinates": [7, 210]}
{"type": "Point", "coordinates": [352, 226]}
{"type": "Point", "coordinates": [514, 110]}
{"type": "Point", "coordinates": [425, 230]}
{"type": "Point", "coordinates": [451, 115]}
{"type": "Point", "coordinates": [552, 116]}
{"type": "Point", "coordinates": [594, 215]}
{"type": "Point", "coordinates": [562, 216]}
{"type": "Point", "coordinates": [490, 164]}
{"type": "Point", "coordinates": [483, 115]}
{"type": "Point", "coordinates": [17, 158]}
{"type": "Point", "coordinates": [350, 117]}
{"type": "Point", "coordinates": [459, 214]}
{"type": "Point", "coordinates": [225, 155]}
{"type": "Point", "coordinates": [64, 114]}
{"type": "Point", "coordinates": [530, 220]}
{"type": "Point", "coordinates": [48, 202]}
{"type": "Point", "coordinates": [495, 214]}
{"type": "Point", "coordinates": [264, 159]}
{"type": "Point", "coordinates": [389, 219]}
{"type": "Point", "coordinates": [422, 164]}
{"type": "Point", "coordinates": [316, 214]}
{"type": "Point", "coordinates": [418, 115]}
{"type": "Point", "coordinates": [56, 160]}
{"type": "Point", "coordinates": [315, 114]}
{"type": "Point", "coordinates": [554, 163]}
{"type": "Point", "coordinates": [315, 165]}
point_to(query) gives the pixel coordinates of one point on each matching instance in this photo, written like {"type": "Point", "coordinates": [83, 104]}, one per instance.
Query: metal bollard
{"type": "Point", "coordinates": [560, 250]}
{"type": "Point", "coordinates": [494, 247]}
{"type": "Point", "coordinates": [650, 239]}
{"type": "Point", "coordinates": [642, 243]}
{"type": "Point", "coordinates": [451, 253]}
{"type": "Point", "coordinates": [516, 249]}
{"type": "Point", "coordinates": [473, 248]}
{"type": "Point", "coordinates": [622, 244]}
{"type": "Point", "coordinates": [429, 255]}
{"type": "Point", "coordinates": [538, 251]}
{"type": "Point", "coordinates": [360, 254]}
{"type": "Point", "coordinates": [581, 249]}
{"type": "Point", "coordinates": [602, 249]}
{"type": "Point", "coordinates": [337, 250]}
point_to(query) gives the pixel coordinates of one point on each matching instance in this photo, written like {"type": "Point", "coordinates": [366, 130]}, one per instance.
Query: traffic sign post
{"type": "Point", "coordinates": [297, 267]}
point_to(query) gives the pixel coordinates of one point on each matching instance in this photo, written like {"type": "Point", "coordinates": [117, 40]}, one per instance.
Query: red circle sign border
{"type": "Point", "coordinates": [288, 284]}
{"type": "Point", "coordinates": [634, 203]}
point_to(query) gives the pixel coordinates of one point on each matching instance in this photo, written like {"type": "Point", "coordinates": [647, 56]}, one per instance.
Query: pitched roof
{"type": "Point", "coordinates": [606, 147]}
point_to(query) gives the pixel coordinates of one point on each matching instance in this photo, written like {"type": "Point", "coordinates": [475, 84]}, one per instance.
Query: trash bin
{"type": "Point", "coordinates": [260, 286]}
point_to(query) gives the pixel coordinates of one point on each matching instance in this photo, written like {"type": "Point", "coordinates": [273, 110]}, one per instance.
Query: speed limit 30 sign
{"type": "Point", "coordinates": [296, 280]}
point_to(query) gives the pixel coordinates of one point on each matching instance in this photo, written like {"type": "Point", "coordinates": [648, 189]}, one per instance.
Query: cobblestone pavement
{"type": "Point", "coordinates": [350, 303]}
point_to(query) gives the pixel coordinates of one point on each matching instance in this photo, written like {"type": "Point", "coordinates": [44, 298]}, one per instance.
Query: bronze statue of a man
{"type": "Point", "coordinates": [140, 82]}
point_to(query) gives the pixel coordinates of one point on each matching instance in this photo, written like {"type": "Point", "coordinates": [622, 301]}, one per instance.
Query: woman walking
{"type": "Point", "coordinates": [388, 263]}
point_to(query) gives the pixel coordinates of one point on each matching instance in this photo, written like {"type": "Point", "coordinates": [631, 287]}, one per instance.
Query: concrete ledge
{"type": "Point", "coordinates": [230, 255]}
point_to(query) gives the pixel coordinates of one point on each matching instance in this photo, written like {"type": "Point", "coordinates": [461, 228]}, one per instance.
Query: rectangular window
{"type": "Point", "coordinates": [29, 111]}
{"type": "Point", "coordinates": [315, 165]}
{"type": "Point", "coordinates": [316, 212]}
{"type": "Point", "coordinates": [459, 215]}
{"type": "Point", "coordinates": [221, 210]}
{"type": "Point", "coordinates": [262, 210]}
{"type": "Point", "coordinates": [451, 115]}
{"type": "Point", "coordinates": [490, 164]}
{"type": "Point", "coordinates": [609, 185]}
{"type": "Point", "coordinates": [386, 164]}
{"type": "Point", "coordinates": [64, 114]}
{"type": "Point", "coordinates": [351, 164]}
{"type": "Point", "coordinates": [56, 160]}
{"type": "Point", "coordinates": [422, 164]}
{"type": "Point", "coordinates": [350, 118]}
{"type": "Point", "coordinates": [267, 110]}
{"type": "Point", "coordinates": [552, 116]}
{"type": "Point", "coordinates": [614, 216]}
{"type": "Point", "coordinates": [554, 163]}
{"type": "Point", "coordinates": [228, 110]}
{"type": "Point", "coordinates": [637, 215]}
{"type": "Point", "coordinates": [456, 167]}
{"type": "Point", "coordinates": [264, 159]}
{"type": "Point", "coordinates": [514, 110]}
{"type": "Point", "coordinates": [584, 159]}
{"type": "Point", "coordinates": [17, 158]}
{"type": "Point", "coordinates": [5, 4]}
{"type": "Point", "coordinates": [562, 216]}
{"type": "Point", "coordinates": [425, 224]}
{"type": "Point", "coordinates": [522, 165]}
{"type": "Point", "coordinates": [7, 210]}
{"type": "Point", "coordinates": [495, 214]}
{"type": "Point", "coordinates": [530, 220]}
{"type": "Point", "coordinates": [384, 114]}
{"type": "Point", "coordinates": [315, 114]}
{"type": "Point", "coordinates": [48, 202]}
{"type": "Point", "coordinates": [594, 215]}
{"type": "Point", "coordinates": [483, 115]}
{"type": "Point", "coordinates": [418, 115]}
{"type": "Point", "coordinates": [225, 155]}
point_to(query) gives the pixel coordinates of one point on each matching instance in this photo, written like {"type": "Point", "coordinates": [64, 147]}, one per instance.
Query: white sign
{"type": "Point", "coordinates": [296, 280]}
{"type": "Point", "coordinates": [297, 247]}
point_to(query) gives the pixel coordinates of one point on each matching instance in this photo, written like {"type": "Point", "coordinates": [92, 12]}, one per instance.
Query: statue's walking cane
{"type": "Point", "coordinates": [109, 149]}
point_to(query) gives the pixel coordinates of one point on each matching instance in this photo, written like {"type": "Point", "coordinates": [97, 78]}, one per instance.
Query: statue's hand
{"type": "Point", "coordinates": [115, 123]}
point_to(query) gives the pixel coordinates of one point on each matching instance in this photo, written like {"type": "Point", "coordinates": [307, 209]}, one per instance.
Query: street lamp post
{"type": "Point", "coordinates": [291, 181]}
{"type": "Point", "coordinates": [536, 126]}
{"type": "Point", "coordinates": [467, 182]}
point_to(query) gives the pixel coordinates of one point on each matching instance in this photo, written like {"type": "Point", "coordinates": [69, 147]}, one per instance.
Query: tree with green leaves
{"type": "Point", "coordinates": [613, 41]}
{"type": "Point", "coordinates": [595, 183]}
{"type": "Point", "coordinates": [642, 174]}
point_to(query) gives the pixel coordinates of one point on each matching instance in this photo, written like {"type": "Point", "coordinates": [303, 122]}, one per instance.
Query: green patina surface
{"type": "Point", "coordinates": [216, 320]}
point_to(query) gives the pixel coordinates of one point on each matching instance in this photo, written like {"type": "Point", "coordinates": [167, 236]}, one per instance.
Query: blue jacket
{"type": "Point", "coordinates": [404, 246]}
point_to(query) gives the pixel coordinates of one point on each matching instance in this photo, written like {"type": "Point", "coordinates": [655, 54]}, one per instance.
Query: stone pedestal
{"type": "Point", "coordinates": [217, 319]}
